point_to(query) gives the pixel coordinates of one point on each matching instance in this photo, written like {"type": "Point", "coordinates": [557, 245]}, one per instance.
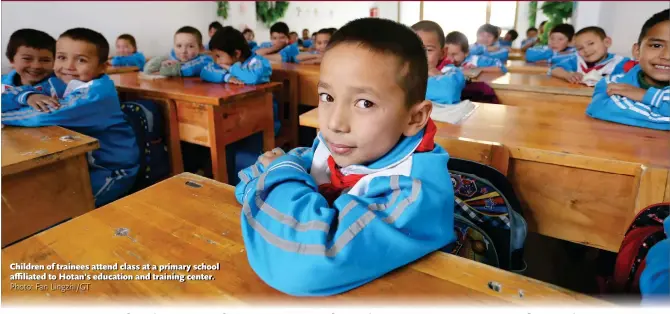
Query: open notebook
{"type": "Point", "coordinates": [453, 113]}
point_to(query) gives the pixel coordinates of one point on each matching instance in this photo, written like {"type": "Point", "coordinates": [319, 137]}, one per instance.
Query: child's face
{"type": "Point", "coordinates": [591, 47]}
{"type": "Point", "coordinates": [77, 60]}
{"type": "Point", "coordinates": [305, 33]}
{"type": "Point", "coordinates": [222, 58]}
{"type": "Point", "coordinates": [455, 54]}
{"type": "Point", "coordinates": [211, 32]}
{"type": "Point", "coordinates": [249, 36]}
{"type": "Point", "coordinates": [508, 37]}
{"type": "Point", "coordinates": [362, 113]}
{"type": "Point", "coordinates": [293, 37]}
{"type": "Point", "coordinates": [124, 47]}
{"type": "Point", "coordinates": [531, 34]}
{"type": "Point", "coordinates": [321, 42]}
{"type": "Point", "coordinates": [486, 39]}
{"type": "Point", "coordinates": [434, 52]}
{"type": "Point", "coordinates": [186, 46]}
{"type": "Point", "coordinates": [33, 65]}
{"type": "Point", "coordinates": [654, 53]}
{"type": "Point", "coordinates": [558, 41]}
{"type": "Point", "coordinates": [279, 39]}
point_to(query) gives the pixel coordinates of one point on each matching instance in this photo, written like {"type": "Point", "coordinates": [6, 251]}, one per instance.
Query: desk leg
{"type": "Point", "coordinates": [269, 128]}
{"type": "Point", "coordinates": [217, 143]}
{"type": "Point", "coordinates": [173, 138]}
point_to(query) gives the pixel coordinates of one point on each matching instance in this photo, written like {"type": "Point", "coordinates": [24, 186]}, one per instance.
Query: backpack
{"type": "Point", "coordinates": [644, 232]}
{"type": "Point", "coordinates": [485, 203]}
{"type": "Point", "coordinates": [146, 120]}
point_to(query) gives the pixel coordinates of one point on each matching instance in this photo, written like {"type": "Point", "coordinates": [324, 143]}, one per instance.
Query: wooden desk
{"type": "Point", "coordinates": [172, 222]}
{"type": "Point", "coordinates": [308, 78]}
{"type": "Point", "coordinates": [578, 179]}
{"type": "Point", "coordinates": [532, 90]}
{"type": "Point", "coordinates": [520, 66]}
{"type": "Point", "coordinates": [117, 70]}
{"type": "Point", "coordinates": [516, 55]}
{"type": "Point", "coordinates": [211, 115]}
{"type": "Point", "coordinates": [45, 179]}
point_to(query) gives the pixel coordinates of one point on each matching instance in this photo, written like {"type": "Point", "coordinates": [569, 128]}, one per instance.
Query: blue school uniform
{"type": "Point", "coordinates": [483, 62]}
{"type": "Point", "coordinates": [501, 54]}
{"type": "Point", "coordinates": [652, 112]}
{"type": "Point", "coordinates": [92, 109]}
{"type": "Point", "coordinates": [192, 67]}
{"type": "Point", "coordinates": [541, 53]}
{"type": "Point", "coordinates": [307, 43]}
{"type": "Point", "coordinates": [308, 234]}
{"type": "Point", "coordinates": [655, 278]}
{"type": "Point", "coordinates": [11, 86]}
{"type": "Point", "coordinates": [611, 65]}
{"type": "Point", "coordinates": [446, 88]}
{"type": "Point", "coordinates": [288, 54]}
{"type": "Point", "coordinates": [528, 40]}
{"type": "Point", "coordinates": [505, 43]}
{"type": "Point", "coordinates": [136, 59]}
{"type": "Point", "coordinates": [252, 45]}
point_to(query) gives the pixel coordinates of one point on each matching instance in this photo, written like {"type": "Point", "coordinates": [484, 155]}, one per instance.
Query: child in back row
{"type": "Point", "coordinates": [211, 30]}
{"type": "Point", "coordinates": [126, 53]}
{"type": "Point", "coordinates": [31, 53]}
{"type": "Point", "coordinates": [558, 49]}
{"type": "Point", "coordinates": [444, 84]}
{"type": "Point", "coordinates": [508, 40]}
{"type": "Point", "coordinates": [249, 36]}
{"type": "Point", "coordinates": [458, 55]}
{"type": "Point", "coordinates": [185, 59]}
{"type": "Point", "coordinates": [278, 49]}
{"type": "Point", "coordinates": [531, 39]}
{"type": "Point", "coordinates": [82, 98]}
{"type": "Point", "coordinates": [640, 97]}
{"type": "Point", "coordinates": [314, 55]}
{"type": "Point", "coordinates": [373, 193]}
{"type": "Point", "coordinates": [592, 56]}
{"type": "Point", "coordinates": [486, 44]}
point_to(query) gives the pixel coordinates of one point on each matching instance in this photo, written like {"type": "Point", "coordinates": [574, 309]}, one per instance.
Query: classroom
{"type": "Point", "coordinates": [440, 152]}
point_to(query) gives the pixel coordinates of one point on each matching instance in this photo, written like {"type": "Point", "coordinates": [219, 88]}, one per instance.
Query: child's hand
{"type": "Point", "coordinates": [575, 77]}
{"type": "Point", "coordinates": [168, 63]}
{"type": "Point", "coordinates": [469, 66]}
{"type": "Point", "coordinates": [267, 158]}
{"type": "Point", "coordinates": [625, 90]}
{"type": "Point", "coordinates": [433, 72]}
{"type": "Point", "coordinates": [234, 80]}
{"type": "Point", "coordinates": [43, 103]}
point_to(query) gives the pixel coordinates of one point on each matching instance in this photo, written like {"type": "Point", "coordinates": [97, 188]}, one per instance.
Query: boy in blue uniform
{"type": "Point", "coordinates": [249, 36]}
{"type": "Point", "coordinates": [319, 48]}
{"type": "Point", "coordinates": [373, 193]}
{"type": "Point", "coordinates": [510, 37]}
{"type": "Point", "coordinates": [31, 53]}
{"type": "Point", "coordinates": [641, 97]}
{"type": "Point", "coordinates": [126, 53]}
{"type": "Point", "coordinates": [444, 85]}
{"type": "Point", "coordinates": [185, 59]}
{"type": "Point", "coordinates": [486, 44]}
{"type": "Point", "coordinates": [307, 42]}
{"type": "Point", "coordinates": [83, 98]}
{"type": "Point", "coordinates": [458, 54]}
{"type": "Point", "coordinates": [558, 49]}
{"type": "Point", "coordinates": [531, 39]}
{"type": "Point", "coordinates": [278, 49]}
{"type": "Point", "coordinates": [592, 44]}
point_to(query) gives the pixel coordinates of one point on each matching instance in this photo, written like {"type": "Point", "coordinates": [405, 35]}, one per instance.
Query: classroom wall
{"type": "Point", "coordinates": [623, 21]}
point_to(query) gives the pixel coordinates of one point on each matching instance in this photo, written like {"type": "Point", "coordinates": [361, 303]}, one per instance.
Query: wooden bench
{"type": "Point", "coordinates": [191, 220]}
{"type": "Point", "coordinates": [45, 179]}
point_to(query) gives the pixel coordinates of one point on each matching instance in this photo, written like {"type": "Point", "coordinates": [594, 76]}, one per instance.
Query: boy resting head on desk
{"type": "Point", "coordinates": [185, 59]}
{"type": "Point", "coordinates": [592, 60]}
{"type": "Point", "coordinates": [373, 193]}
{"type": "Point", "coordinates": [640, 97]}
{"type": "Point", "coordinates": [83, 98]}
{"type": "Point", "coordinates": [279, 49]}
{"type": "Point", "coordinates": [126, 53]}
{"type": "Point", "coordinates": [487, 44]}
{"type": "Point", "coordinates": [558, 49]}
{"type": "Point", "coordinates": [31, 53]}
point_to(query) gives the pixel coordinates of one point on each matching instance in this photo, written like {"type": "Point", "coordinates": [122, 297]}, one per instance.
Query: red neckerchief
{"type": "Point", "coordinates": [444, 63]}
{"type": "Point", "coordinates": [597, 67]}
{"type": "Point", "coordinates": [339, 182]}
{"type": "Point", "coordinates": [629, 65]}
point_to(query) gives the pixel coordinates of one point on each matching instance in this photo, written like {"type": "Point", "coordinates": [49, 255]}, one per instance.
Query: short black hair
{"type": "Point", "coordinates": [514, 34]}
{"type": "Point", "coordinates": [333, 29]}
{"type": "Point", "coordinates": [228, 40]}
{"type": "Point", "coordinates": [325, 31]}
{"type": "Point", "coordinates": [279, 27]}
{"type": "Point", "coordinates": [30, 38]}
{"type": "Point", "coordinates": [193, 31]}
{"type": "Point", "coordinates": [390, 38]}
{"type": "Point", "coordinates": [92, 37]}
{"type": "Point", "coordinates": [531, 29]}
{"type": "Point", "coordinates": [458, 38]}
{"type": "Point", "coordinates": [657, 18]}
{"type": "Point", "coordinates": [247, 30]}
{"type": "Point", "coordinates": [488, 28]}
{"type": "Point", "coordinates": [314, 34]}
{"type": "Point", "coordinates": [215, 25]}
{"type": "Point", "coordinates": [565, 29]}
{"type": "Point", "coordinates": [593, 29]}
{"type": "Point", "coordinates": [291, 33]}
{"type": "Point", "coordinates": [130, 39]}
{"type": "Point", "coordinates": [430, 26]}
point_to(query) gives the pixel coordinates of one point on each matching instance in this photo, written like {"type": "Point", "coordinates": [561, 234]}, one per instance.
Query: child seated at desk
{"type": "Point", "coordinates": [459, 56]}
{"type": "Point", "coordinates": [249, 36]}
{"type": "Point", "coordinates": [592, 44]}
{"type": "Point", "coordinates": [31, 54]}
{"type": "Point", "coordinates": [83, 98]}
{"type": "Point", "coordinates": [187, 57]}
{"type": "Point", "coordinates": [531, 39]}
{"type": "Point", "coordinates": [486, 44]}
{"type": "Point", "coordinates": [373, 193]}
{"type": "Point", "coordinates": [212, 29]}
{"type": "Point", "coordinates": [279, 49]}
{"type": "Point", "coordinates": [314, 56]}
{"type": "Point", "coordinates": [126, 53]}
{"type": "Point", "coordinates": [307, 42]}
{"type": "Point", "coordinates": [558, 49]}
{"type": "Point", "coordinates": [640, 97]}
{"type": "Point", "coordinates": [510, 37]}
{"type": "Point", "coordinates": [444, 84]}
